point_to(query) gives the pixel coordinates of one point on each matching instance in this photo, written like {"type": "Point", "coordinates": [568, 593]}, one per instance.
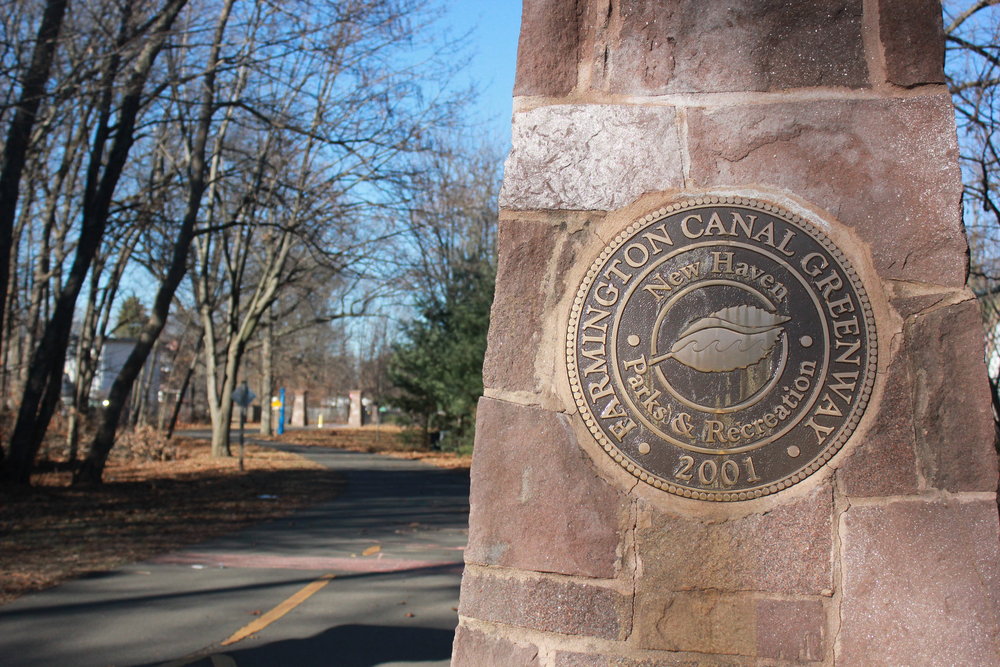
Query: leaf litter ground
{"type": "Point", "coordinates": [54, 532]}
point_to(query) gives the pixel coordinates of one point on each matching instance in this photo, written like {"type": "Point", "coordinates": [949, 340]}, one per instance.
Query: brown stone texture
{"type": "Point", "coordinates": [545, 604]}
{"type": "Point", "coordinates": [590, 157]}
{"type": "Point", "coordinates": [596, 30]}
{"type": "Point", "coordinates": [549, 47]}
{"type": "Point", "coordinates": [533, 261]}
{"type": "Point", "coordinates": [886, 168]}
{"type": "Point", "coordinates": [883, 463]}
{"type": "Point", "coordinates": [662, 659]}
{"type": "Point", "coordinates": [912, 581]}
{"type": "Point", "coordinates": [701, 621]}
{"type": "Point", "coordinates": [708, 621]}
{"type": "Point", "coordinates": [907, 306]}
{"type": "Point", "coordinates": [474, 649]}
{"type": "Point", "coordinates": [693, 46]}
{"type": "Point", "coordinates": [537, 503]}
{"type": "Point", "coordinates": [791, 630]}
{"type": "Point", "coordinates": [752, 553]}
{"type": "Point", "coordinates": [913, 41]}
{"type": "Point", "coordinates": [921, 584]}
{"type": "Point", "coordinates": [953, 417]}
{"type": "Point", "coordinates": [525, 250]}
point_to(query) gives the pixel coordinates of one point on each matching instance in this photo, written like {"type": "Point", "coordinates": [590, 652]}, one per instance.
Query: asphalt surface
{"type": "Point", "coordinates": [371, 578]}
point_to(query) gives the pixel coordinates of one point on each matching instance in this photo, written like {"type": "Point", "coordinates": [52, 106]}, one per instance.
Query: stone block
{"type": "Point", "coordinates": [692, 46]}
{"type": "Point", "coordinates": [886, 168]}
{"type": "Point", "coordinates": [590, 157]}
{"type": "Point", "coordinates": [663, 659]}
{"type": "Point", "coordinates": [792, 630]}
{"type": "Point", "coordinates": [569, 659]}
{"type": "Point", "coordinates": [709, 621]}
{"type": "Point", "coordinates": [702, 621]}
{"type": "Point", "coordinates": [549, 605]}
{"type": "Point", "coordinates": [786, 550]}
{"type": "Point", "coordinates": [953, 417]}
{"type": "Point", "coordinates": [525, 250]}
{"type": "Point", "coordinates": [883, 463]}
{"type": "Point", "coordinates": [597, 27]}
{"type": "Point", "coordinates": [537, 503]}
{"type": "Point", "coordinates": [908, 306]}
{"type": "Point", "coordinates": [913, 41]}
{"type": "Point", "coordinates": [549, 47]}
{"type": "Point", "coordinates": [921, 584]}
{"type": "Point", "coordinates": [473, 648]}
{"type": "Point", "coordinates": [534, 260]}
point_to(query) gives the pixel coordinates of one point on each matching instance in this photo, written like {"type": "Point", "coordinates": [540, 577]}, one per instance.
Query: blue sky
{"type": "Point", "coordinates": [493, 27]}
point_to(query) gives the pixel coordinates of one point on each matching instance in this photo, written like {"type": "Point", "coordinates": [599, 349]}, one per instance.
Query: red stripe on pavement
{"type": "Point", "coordinates": [263, 561]}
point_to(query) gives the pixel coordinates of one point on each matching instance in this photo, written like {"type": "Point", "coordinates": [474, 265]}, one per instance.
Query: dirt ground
{"type": "Point", "coordinates": [386, 439]}
{"type": "Point", "coordinates": [53, 532]}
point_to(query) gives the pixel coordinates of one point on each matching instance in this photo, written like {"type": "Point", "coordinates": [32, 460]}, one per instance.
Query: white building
{"type": "Point", "coordinates": [113, 356]}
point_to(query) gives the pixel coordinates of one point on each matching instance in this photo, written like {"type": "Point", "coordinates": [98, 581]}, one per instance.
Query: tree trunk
{"type": "Point", "coordinates": [73, 432]}
{"type": "Point", "coordinates": [41, 395]}
{"type": "Point", "coordinates": [140, 389]}
{"type": "Point", "coordinates": [193, 413]}
{"type": "Point", "coordinates": [19, 133]}
{"type": "Point", "coordinates": [88, 349]}
{"type": "Point", "coordinates": [172, 424]}
{"type": "Point", "coordinates": [222, 413]}
{"type": "Point", "coordinates": [220, 434]}
{"type": "Point", "coordinates": [267, 379]}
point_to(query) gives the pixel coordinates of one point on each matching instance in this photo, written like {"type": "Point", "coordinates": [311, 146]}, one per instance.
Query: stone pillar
{"type": "Point", "coordinates": [785, 453]}
{"type": "Point", "coordinates": [355, 418]}
{"type": "Point", "coordinates": [299, 415]}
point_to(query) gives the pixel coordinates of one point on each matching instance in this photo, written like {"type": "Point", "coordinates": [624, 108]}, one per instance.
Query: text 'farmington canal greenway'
{"type": "Point", "coordinates": [721, 349]}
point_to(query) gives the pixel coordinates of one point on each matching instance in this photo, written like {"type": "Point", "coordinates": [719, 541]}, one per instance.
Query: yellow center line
{"type": "Point", "coordinates": [270, 617]}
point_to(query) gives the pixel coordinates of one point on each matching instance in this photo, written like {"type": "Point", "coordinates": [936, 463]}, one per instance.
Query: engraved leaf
{"type": "Point", "coordinates": [731, 338]}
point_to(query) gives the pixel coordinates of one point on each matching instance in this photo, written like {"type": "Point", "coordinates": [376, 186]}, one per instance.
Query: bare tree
{"type": "Point", "coordinates": [19, 134]}
{"type": "Point", "coordinates": [301, 182]}
{"type": "Point", "coordinates": [272, 138]}
{"type": "Point", "coordinates": [93, 329]}
{"type": "Point", "coordinates": [124, 74]}
{"type": "Point", "coordinates": [973, 67]}
{"type": "Point", "coordinates": [197, 171]}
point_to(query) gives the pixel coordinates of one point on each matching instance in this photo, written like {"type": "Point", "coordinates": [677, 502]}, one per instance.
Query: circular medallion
{"type": "Point", "coordinates": [721, 349]}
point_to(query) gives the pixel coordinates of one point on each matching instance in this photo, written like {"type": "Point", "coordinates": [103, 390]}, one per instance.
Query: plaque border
{"type": "Point", "coordinates": [845, 431]}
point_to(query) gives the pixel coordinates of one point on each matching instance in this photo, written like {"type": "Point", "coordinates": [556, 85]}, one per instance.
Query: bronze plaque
{"type": "Point", "coordinates": [721, 349]}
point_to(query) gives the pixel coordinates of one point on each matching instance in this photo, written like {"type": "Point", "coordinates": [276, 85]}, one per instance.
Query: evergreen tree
{"type": "Point", "coordinates": [438, 368]}
{"type": "Point", "coordinates": [132, 316]}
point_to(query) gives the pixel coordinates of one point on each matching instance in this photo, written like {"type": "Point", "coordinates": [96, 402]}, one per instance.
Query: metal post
{"type": "Point", "coordinates": [281, 411]}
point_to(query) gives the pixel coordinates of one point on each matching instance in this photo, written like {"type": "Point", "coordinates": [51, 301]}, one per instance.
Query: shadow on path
{"type": "Point", "coordinates": [407, 518]}
{"type": "Point", "coordinates": [341, 646]}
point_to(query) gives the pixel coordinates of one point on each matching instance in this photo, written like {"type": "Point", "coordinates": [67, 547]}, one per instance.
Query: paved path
{"type": "Point", "coordinates": [368, 579]}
